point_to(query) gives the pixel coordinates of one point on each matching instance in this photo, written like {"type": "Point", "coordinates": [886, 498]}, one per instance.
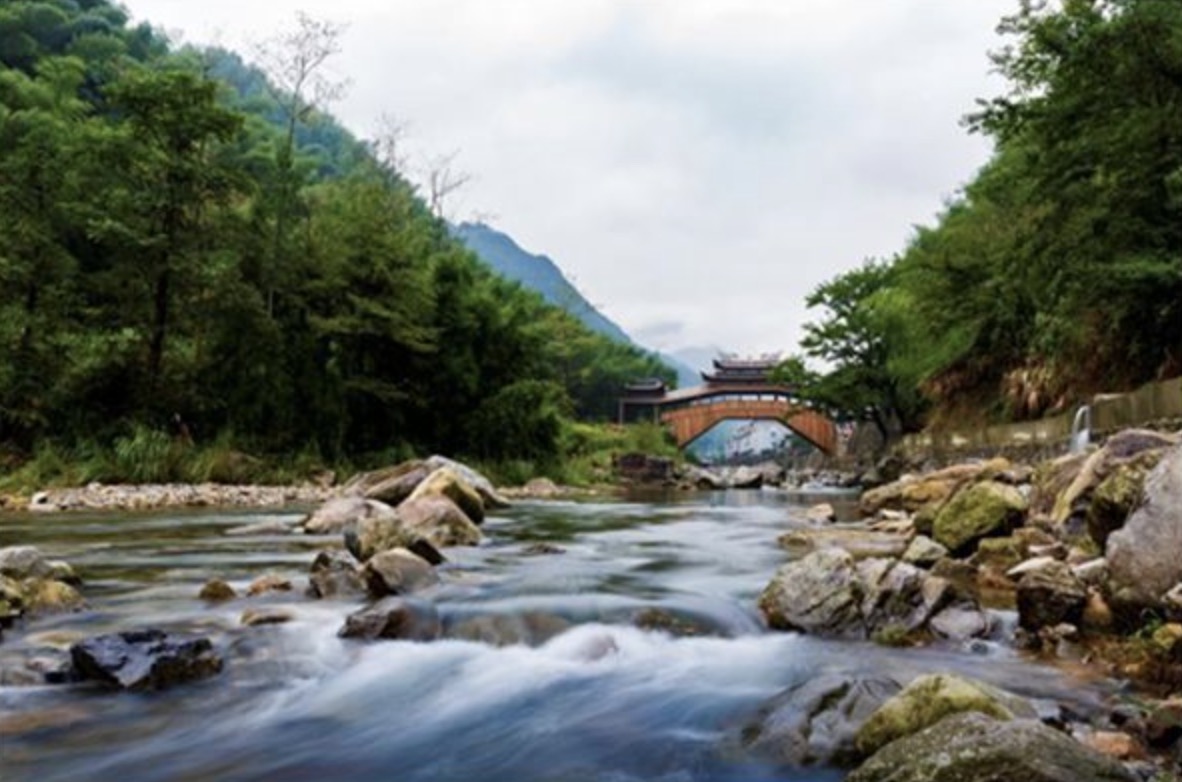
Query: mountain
{"type": "Point", "coordinates": [541, 274]}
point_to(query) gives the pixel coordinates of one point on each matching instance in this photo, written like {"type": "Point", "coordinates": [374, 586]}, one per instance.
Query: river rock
{"type": "Point", "coordinates": [976, 748]}
{"type": "Point", "coordinates": [1049, 596]}
{"type": "Point", "coordinates": [376, 534]}
{"type": "Point", "coordinates": [333, 574]}
{"type": "Point", "coordinates": [44, 596]}
{"type": "Point", "coordinates": [397, 572]}
{"type": "Point", "coordinates": [217, 591]}
{"type": "Point", "coordinates": [446, 482]}
{"type": "Point", "coordinates": [829, 593]}
{"type": "Point", "coordinates": [822, 513]}
{"type": "Point", "coordinates": [931, 698]}
{"type": "Point", "coordinates": [21, 562]}
{"type": "Point", "coordinates": [1143, 561]}
{"type": "Point", "coordinates": [961, 623]}
{"type": "Point", "coordinates": [394, 618]}
{"type": "Point", "coordinates": [924, 552]}
{"type": "Point", "coordinates": [859, 540]}
{"type": "Point", "coordinates": [1131, 446]}
{"type": "Point", "coordinates": [814, 723]}
{"type": "Point", "coordinates": [703, 479]}
{"type": "Point", "coordinates": [343, 513]}
{"type": "Point", "coordinates": [144, 659]}
{"type": "Point", "coordinates": [1115, 499]}
{"type": "Point", "coordinates": [267, 615]}
{"type": "Point", "coordinates": [270, 582]}
{"type": "Point", "coordinates": [440, 521]}
{"type": "Point", "coordinates": [483, 486]}
{"type": "Point", "coordinates": [981, 510]}
{"type": "Point", "coordinates": [744, 478]}
{"type": "Point", "coordinates": [395, 485]}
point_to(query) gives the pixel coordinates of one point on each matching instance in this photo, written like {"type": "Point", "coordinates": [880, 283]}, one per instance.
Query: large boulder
{"type": "Point", "coordinates": [830, 593]}
{"type": "Point", "coordinates": [1117, 496]}
{"type": "Point", "coordinates": [394, 618]}
{"type": "Point", "coordinates": [344, 513]}
{"type": "Point", "coordinates": [912, 492]}
{"type": "Point", "coordinates": [1132, 446]}
{"type": "Point", "coordinates": [931, 698]}
{"type": "Point", "coordinates": [440, 521]}
{"type": "Point", "coordinates": [484, 487]}
{"type": "Point", "coordinates": [397, 572]}
{"type": "Point", "coordinates": [976, 748]}
{"type": "Point", "coordinates": [376, 534]}
{"type": "Point", "coordinates": [1143, 560]}
{"type": "Point", "coordinates": [446, 482]}
{"type": "Point", "coordinates": [20, 562]}
{"type": "Point", "coordinates": [361, 484]}
{"type": "Point", "coordinates": [981, 510]}
{"type": "Point", "coordinates": [1050, 595]}
{"type": "Point", "coordinates": [396, 484]}
{"type": "Point", "coordinates": [814, 723]}
{"type": "Point", "coordinates": [144, 659]}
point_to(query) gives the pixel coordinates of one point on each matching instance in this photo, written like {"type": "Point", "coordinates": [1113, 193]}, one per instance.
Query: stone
{"type": "Point", "coordinates": [907, 494]}
{"type": "Point", "coordinates": [822, 513]}
{"type": "Point", "coordinates": [1032, 566]}
{"type": "Point", "coordinates": [1094, 572]}
{"type": "Point", "coordinates": [268, 583]}
{"type": "Point", "coordinates": [976, 748]}
{"type": "Point", "coordinates": [267, 615]}
{"type": "Point", "coordinates": [483, 486]}
{"type": "Point", "coordinates": [1000, 554]}
{"type": "Point", "coordinates": [333, 574]}
{"type": "Point", "coordinates": [1131, 445]}
{"type": "Point", "coordinates": [394, 618]}
{"type": "Point", "coordinates": [859, 540]}
{"type": "Point", "coordinates": [962, 577]}
{"type": "Point", "coordinates": [21, 562]}
{"type": "Point", "coordinates": [744, 478]}
{"type": "Point", "coordinates": [1097, 616]}
{"type": "Point", "coordinates": [395, 488]}
{"type": "Point", "coordinates": [45, 596]}
{"type": "Point", "coordinates": [446, 482]}
{"type": "Point", "coordinates": [924, 552]}
{"type": "Point", "coordinates": [829, 593]}
{"type": "Point", "coordinates": [1143, 561]}
{"type": "Point", "coordinates": [814, 723]}
{"type": "Point", "coordinates": [542, 548]}
{"type": "Point", "coordinates": [960, 623]}
{"type": "Point", "coordinates": [931, 698]}
{"type": "Point", "coordinates": [439, 521]}
{"type": "Point", "coordinates": [1115, 499]}
{"type": "Point", "coordinates": [343, 513]}
{"type": "Point", "coordinates": [1050, 596]}
{"type": "Point", "coordinates": [144, 659]}
{"type": "Point", "coordinates": [217, 591]}
{"type": "Point", "coordinates": [542, 488]}
{"type": "Point", "coordinates": [363, 482]}
{"type": "Point", "coordinates": [397, 572]}
{"type": "Point", "coordinates": [981, 510]}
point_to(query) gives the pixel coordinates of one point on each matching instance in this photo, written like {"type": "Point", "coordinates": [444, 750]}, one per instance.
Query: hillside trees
{"type": "Point", "coordinates": [1057, 272]}
{"type": "Point", "coordinates": [139, 269]}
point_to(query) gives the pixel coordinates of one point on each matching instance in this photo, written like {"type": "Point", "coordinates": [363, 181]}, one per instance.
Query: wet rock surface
{"type": "Point", "coordinates": [144, 660]}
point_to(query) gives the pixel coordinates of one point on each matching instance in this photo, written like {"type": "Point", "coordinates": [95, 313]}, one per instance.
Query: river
{"type": "Point", "coordinates": [597, 695]}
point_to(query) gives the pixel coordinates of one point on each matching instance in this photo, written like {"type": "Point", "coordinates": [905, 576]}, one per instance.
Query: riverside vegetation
{"type": "Point", "coordinates": [204, 277]}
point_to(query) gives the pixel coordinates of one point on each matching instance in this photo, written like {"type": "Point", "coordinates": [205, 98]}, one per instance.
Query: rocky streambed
{"type": "Point", "coordinates": [964, 629]}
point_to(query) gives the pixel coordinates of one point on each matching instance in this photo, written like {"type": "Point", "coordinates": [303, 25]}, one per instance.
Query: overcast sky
{"type": "Point", "coordinates": [695, 166]}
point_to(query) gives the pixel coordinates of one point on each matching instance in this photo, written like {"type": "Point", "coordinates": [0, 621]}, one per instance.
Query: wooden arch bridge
{"type": "Point", "coordinates": [736, 390]}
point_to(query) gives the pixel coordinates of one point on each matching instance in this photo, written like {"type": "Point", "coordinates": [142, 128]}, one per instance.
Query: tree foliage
{"type": "Point", "coordinates": [1057, 272]}
{"type": "Point", "coordinates": [188, 244]}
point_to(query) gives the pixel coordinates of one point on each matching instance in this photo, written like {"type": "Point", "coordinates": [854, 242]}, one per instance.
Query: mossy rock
{"type": "Point", "coordinates": [931, 698]}
{"type": "Point", "coordinates": [1000, 554]}
{"type": "Point", "coordinates": [1115, 499]}
{"type": "Point", "coordinates": [978, 511]}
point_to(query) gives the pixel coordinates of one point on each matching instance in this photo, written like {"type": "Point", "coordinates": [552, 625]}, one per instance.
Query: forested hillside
{"type": "Point", "coordinates": [189, 251]}
{"type": "Point", "coordinates": [1057, 272]}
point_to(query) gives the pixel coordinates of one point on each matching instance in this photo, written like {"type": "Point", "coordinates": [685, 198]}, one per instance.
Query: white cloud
{"type": "Point", "coordinates": [703, 162]}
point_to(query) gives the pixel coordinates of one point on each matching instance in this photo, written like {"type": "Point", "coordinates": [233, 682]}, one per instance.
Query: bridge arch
{"type": "Point", "coordinates": [690, 422]}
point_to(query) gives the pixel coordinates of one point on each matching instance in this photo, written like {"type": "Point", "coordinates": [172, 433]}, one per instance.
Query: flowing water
{"type": "Point", "coordinates": [644, 654]}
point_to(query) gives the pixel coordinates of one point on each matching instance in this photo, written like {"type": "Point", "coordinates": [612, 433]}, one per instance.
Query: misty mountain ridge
{"type": "Point", "coordinates": [541, 274]}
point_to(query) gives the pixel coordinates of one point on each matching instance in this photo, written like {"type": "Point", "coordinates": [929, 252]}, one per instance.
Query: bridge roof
{"type": "Point", "coordinates": [683, 395]}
